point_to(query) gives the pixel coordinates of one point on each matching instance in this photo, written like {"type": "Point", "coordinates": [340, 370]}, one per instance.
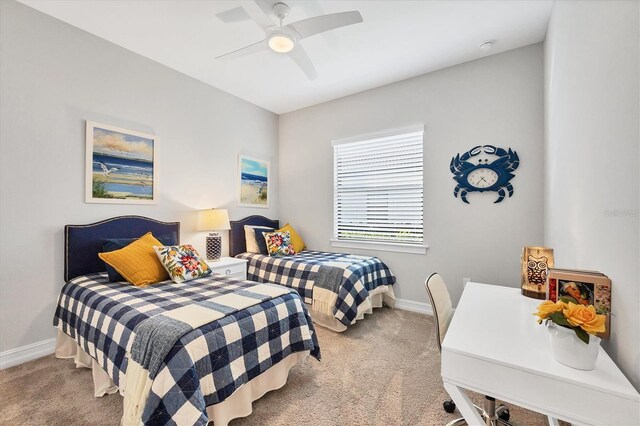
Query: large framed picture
{"type": "Point", "coordinates": [120, 166]}
{"type": "Point", "coordinates": [253, 185]}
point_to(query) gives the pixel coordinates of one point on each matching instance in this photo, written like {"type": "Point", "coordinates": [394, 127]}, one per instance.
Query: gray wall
{"type": "Point", "coordinates": [496, 100]}
{"type": "Point", "coordinates": [52, 78]}
{"type": "Point", "coordinates": [592, 155]}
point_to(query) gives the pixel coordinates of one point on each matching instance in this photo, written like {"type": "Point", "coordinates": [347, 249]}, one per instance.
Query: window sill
{"type": "Point", "coordinates": [380, 246]}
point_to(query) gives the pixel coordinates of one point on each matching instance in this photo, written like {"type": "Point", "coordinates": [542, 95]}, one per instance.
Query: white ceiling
{"type": "Point", "coordinates": [397, 40]}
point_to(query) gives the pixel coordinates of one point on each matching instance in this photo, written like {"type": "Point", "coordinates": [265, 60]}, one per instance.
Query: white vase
{"type": "Point", "coordinates": [569, 350]}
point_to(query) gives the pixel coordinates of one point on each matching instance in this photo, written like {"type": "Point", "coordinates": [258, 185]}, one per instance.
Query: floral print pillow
{"type": "Point", "coordinates": [279, 243]}
{"type": "Point", "coordinates": [183, 263]}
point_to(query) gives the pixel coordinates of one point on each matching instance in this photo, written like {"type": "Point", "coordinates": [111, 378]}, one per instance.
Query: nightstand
{"type": "Point", "coordinates": [230, 267]}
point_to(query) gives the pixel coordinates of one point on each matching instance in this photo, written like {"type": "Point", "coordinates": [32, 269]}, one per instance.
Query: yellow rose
{"type": "Point", "coordinates": [547, 307]}
{"type": "Point", "coordinates": [584, 317]}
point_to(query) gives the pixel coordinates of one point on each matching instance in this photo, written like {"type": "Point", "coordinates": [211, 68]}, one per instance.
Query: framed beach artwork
{"type": "Point", "coordinates": [253, 175]}
{"type": "Point", "coordinates": [120, 166]}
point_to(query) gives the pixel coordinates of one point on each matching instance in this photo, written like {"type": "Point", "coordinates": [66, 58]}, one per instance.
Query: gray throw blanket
{"type": "Point", "coordinates": [154, 339]}
{"type": "Point", "coordinates": [330, 278]}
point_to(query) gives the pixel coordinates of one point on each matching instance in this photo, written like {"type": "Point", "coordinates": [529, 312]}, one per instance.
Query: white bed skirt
{"type": "Point", "coordinates": [377, 297]}
{"type": "Point", "coordinates": [239, 404]}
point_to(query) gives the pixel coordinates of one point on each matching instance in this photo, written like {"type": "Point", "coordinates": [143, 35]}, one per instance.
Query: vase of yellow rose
{"type": "Point", "coordinates": [573, 328]}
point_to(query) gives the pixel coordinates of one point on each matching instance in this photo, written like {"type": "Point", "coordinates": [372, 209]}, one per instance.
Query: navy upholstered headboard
{"type": "Point", "coordinates": [82, 243]}
{"type": "Point", "coordinates": [237, 243]}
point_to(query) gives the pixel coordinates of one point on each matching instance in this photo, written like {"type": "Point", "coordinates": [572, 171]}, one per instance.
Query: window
{"type": "Point", "coordinates": [378, 188]}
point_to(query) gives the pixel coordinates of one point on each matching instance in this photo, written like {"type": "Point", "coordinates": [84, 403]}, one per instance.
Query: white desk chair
{"type": "Point", "coordinates": [442, 314]}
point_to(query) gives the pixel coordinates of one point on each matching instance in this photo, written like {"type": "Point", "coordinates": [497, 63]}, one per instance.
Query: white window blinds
{"type": "Point", "coordinates": [378, 187]}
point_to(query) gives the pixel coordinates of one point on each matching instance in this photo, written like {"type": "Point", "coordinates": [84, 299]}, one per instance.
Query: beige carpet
{"type": "Point", "coordinates": [384, 370]}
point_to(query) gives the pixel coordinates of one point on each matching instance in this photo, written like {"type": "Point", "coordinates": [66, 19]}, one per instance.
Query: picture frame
{"type": "Point", "coordinates": [253, 182]}
{"type": "Point", "coordinates": [587, 287]}
{"type": "Point", "coordinates": [121, 166]}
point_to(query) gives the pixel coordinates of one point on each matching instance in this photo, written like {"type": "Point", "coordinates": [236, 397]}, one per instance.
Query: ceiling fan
{"type": "Point", "coordinates": [285, 39]}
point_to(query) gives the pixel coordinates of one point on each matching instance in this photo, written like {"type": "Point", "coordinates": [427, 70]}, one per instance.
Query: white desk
{"type": "Point", "coordinates": [494, 346]}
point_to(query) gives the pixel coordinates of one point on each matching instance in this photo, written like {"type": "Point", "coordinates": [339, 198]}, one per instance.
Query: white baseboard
{"type": "Point", "coordinates": [410, 305]}
{"type": "Point", "coordinates": [27, 353]}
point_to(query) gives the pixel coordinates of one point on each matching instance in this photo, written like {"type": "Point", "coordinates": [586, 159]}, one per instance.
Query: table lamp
{"type": "Point", "coordinates": [535, 265]}
{"type": "Point", "coordinates": [213, 220]}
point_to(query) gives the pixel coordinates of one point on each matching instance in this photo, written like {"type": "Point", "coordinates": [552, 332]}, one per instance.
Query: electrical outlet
{"type": "Point", "coordinates": [465, 281]}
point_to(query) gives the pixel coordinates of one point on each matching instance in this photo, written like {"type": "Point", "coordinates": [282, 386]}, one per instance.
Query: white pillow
{"type": "Point", "coordinates": [250, 238]}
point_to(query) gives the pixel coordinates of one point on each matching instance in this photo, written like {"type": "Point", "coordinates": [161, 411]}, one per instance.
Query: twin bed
{"type": "Point", "coordinates": [210, 370]}
{"type": "Point", "coordinates": [339, 288]}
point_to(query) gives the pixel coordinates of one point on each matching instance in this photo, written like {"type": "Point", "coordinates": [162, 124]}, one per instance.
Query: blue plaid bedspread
{"type": "Point", "coordinates": [207, 364]}
{"type": "Point", "coordinates": [300, 272]}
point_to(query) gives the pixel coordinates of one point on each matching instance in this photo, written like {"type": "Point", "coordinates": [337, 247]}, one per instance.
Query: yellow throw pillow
{"type": "Point", "coordinates": [296, 241]}
{"type": "Point", "coordinates": [138, 262]}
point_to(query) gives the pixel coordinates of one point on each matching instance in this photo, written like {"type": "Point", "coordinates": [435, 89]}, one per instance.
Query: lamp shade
{"type": "Point", "coordinates": [213, 220]}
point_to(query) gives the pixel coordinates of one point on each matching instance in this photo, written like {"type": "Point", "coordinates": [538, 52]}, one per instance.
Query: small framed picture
{"type": "Point", "coordinates": [253, 182]}
{"type": "Point", "coordinates": [586, 287]}
{"type": "Point", "coordinates": [120, 166]}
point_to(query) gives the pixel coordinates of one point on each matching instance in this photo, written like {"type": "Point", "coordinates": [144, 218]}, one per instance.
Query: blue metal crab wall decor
{"type": "Point", "coordinates": [484, 176]}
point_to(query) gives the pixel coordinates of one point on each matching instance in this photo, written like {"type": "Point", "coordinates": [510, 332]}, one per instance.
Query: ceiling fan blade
{"type": "Point", "coordinates": [244, 51]}
{"type": "Point", "coordinates": [313, 8]}
{"type": "Point", "coordinates": [237, 14]}
{"type": "Point", "coordinates": [319, 24]}
{"type": "Point", "coordinates": [303, 61]}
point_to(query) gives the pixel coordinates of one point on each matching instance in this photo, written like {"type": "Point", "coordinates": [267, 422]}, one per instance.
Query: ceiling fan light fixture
{"type": "Point", "coordinates": [281, 43]}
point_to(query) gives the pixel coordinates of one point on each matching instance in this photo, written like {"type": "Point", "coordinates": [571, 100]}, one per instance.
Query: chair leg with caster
{"type": "Point", "coordinates": [503, 413]}
{"type": "Point", "coordinates": [449, 406]}
{"type": "Point", "coordinates": [495, 416]}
